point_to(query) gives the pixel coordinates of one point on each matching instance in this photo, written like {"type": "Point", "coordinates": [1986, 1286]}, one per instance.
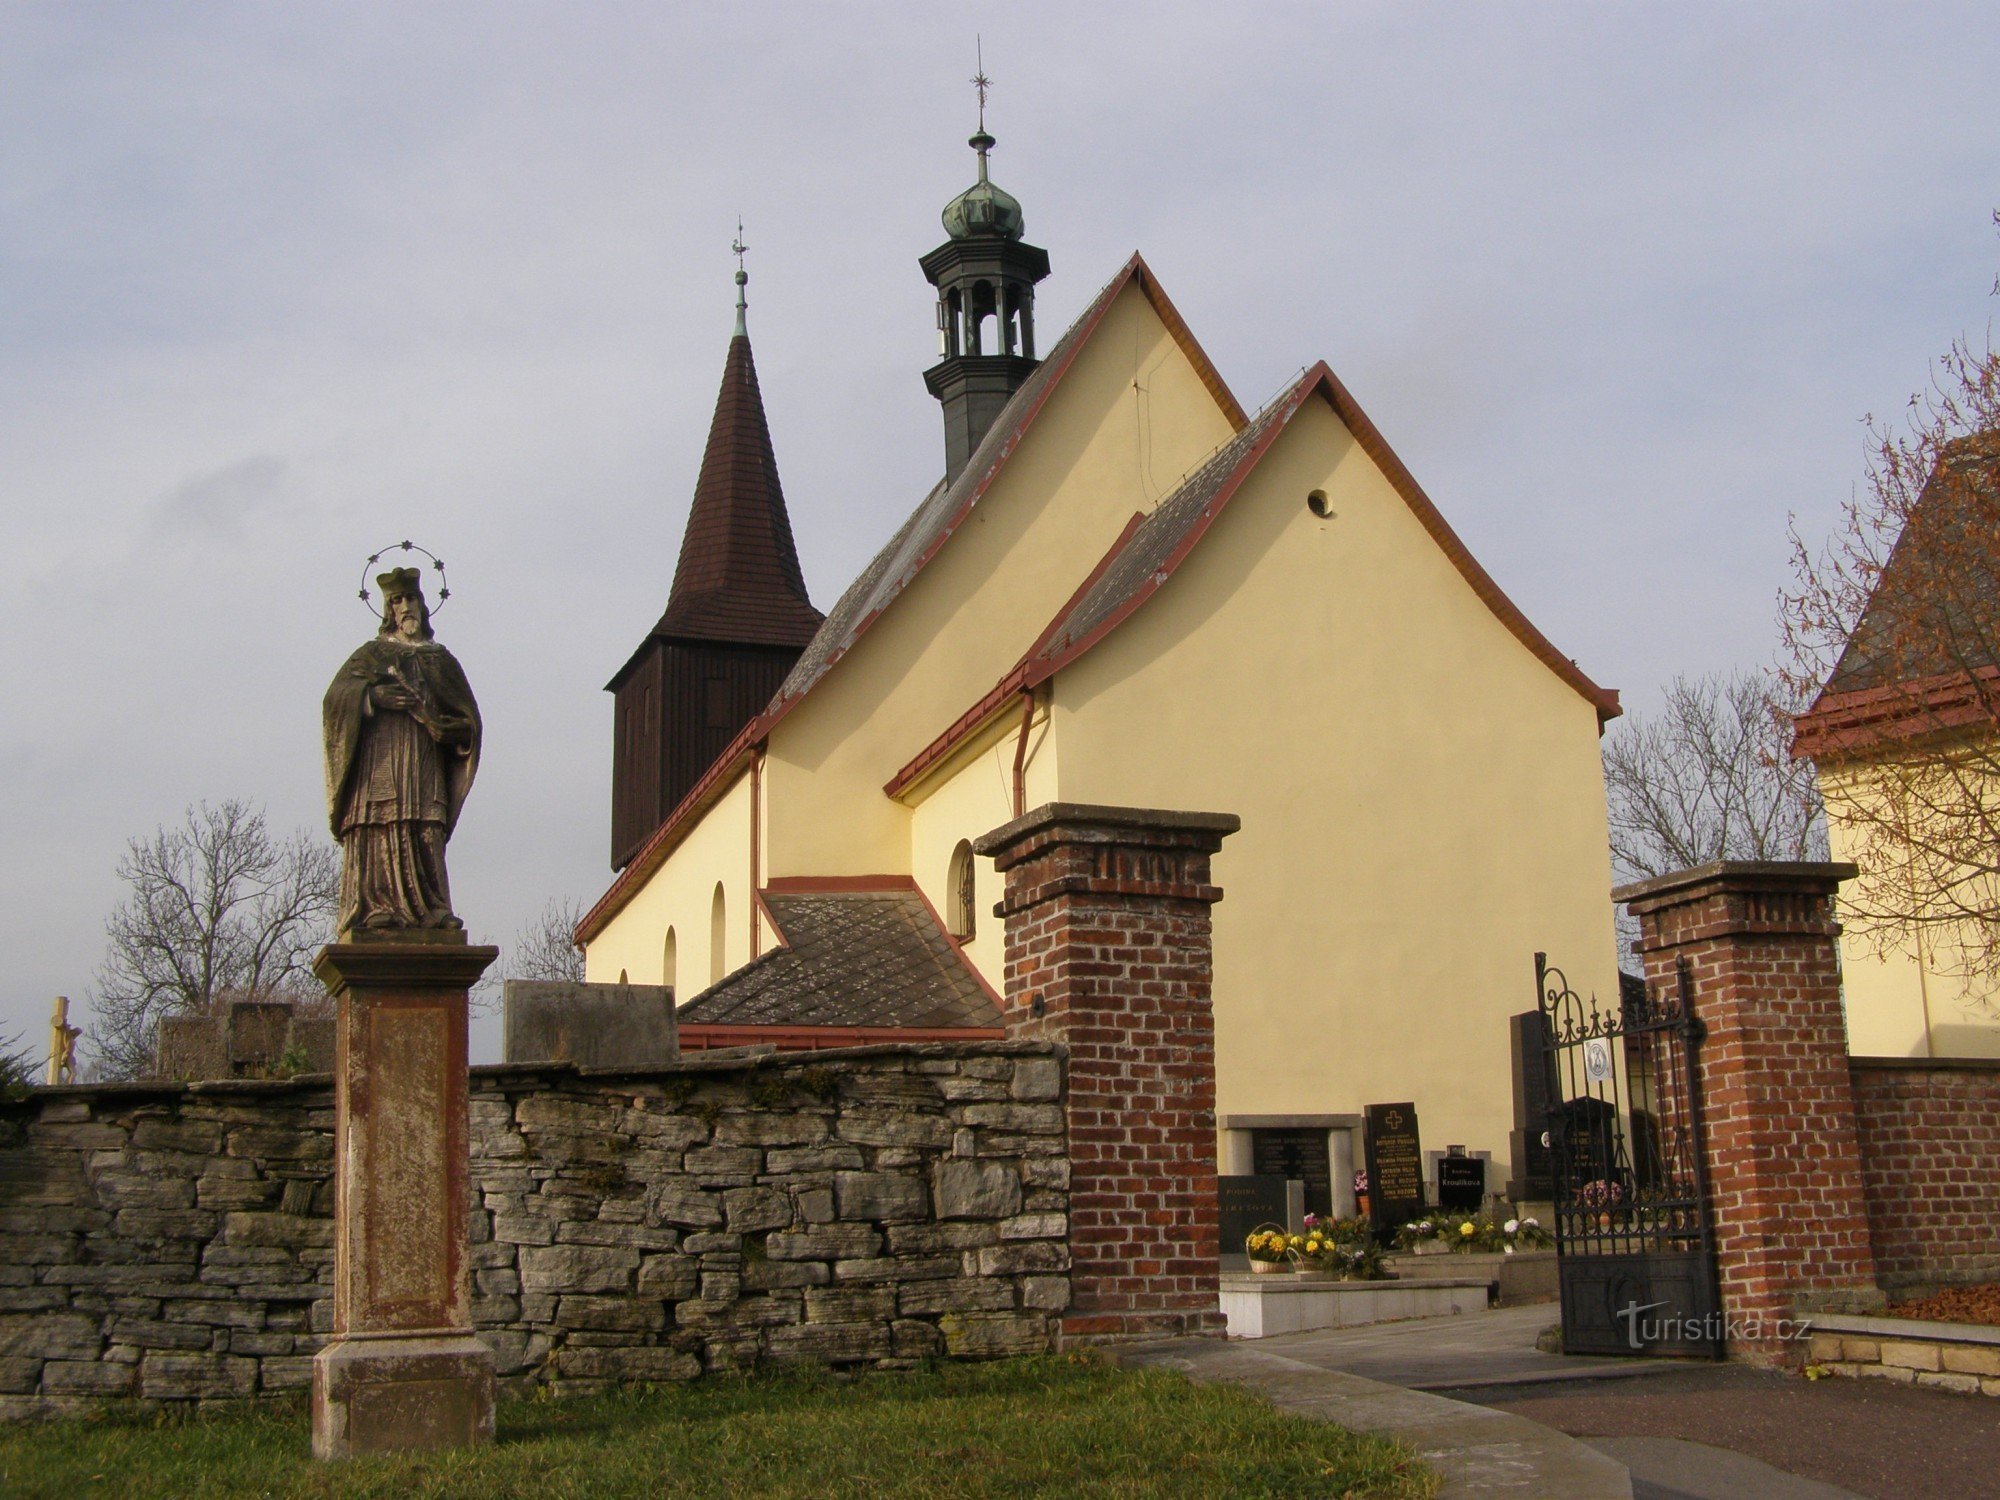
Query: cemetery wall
{"type": "Point", "coordinates": [1930, 1159]}
{"type": "Point", "coordinates": [871, 1206]}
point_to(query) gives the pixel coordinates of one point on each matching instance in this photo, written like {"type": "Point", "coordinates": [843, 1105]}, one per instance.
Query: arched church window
{"type": "Point", "coordinates": [669, 960]}
{"type": "Point", "coordinates": [961, 904]}
{"type": "Point", "coordinates": [718, 932]}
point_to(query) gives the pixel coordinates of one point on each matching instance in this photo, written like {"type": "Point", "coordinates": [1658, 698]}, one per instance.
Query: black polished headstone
{"type": "Point", "coordinates": [1462, 1183]}
{"type": "Point", "coordinates": [1395, 1165]}
{"type": "Point", "coordinates": [1533, 1157]}
{"type": "Point", "coordinates": [1300, 1155]}
{"type": "Point", "coordinates": [1242, 1204]}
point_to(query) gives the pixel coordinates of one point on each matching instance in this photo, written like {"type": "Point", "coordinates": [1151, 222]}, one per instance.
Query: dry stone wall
{"type": "Point", "coordinates": [873, 1206]}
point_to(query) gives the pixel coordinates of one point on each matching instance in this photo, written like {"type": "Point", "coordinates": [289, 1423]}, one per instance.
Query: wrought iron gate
{"type": "Point", "coordinates": [1635, 1246]}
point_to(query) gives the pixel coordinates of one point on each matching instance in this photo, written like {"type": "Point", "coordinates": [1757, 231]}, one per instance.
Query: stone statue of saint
{"type": "Point", "coordinates": [402, 746]}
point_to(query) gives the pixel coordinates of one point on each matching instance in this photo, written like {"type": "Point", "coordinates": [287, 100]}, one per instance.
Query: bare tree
{"type": "Point", "coordinates": [216, 908]}
{"type": "Point", "coordinates": [1893, 627]}
{"type": "Point", "coordinates": [1710, 776]}
{"type": "Point", "coordinates": [545, 947]}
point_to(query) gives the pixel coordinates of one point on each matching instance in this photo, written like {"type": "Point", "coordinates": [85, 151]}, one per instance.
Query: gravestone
{"type": "Point", "coordinates": [1395, 1165]}
{"type": "Point", "coordinates": [1529, 1144]}
{"type": "Point", "coordinates": [591, 1025]}
{"type": "Point", "coordinates": [1242, 1204]}
{"type": "Point", "coordinates": [1461, 1183]}
{"type": "Point", "coordinates": [1300, 1155]}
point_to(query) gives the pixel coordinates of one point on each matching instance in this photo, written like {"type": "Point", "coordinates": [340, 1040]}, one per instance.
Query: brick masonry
{"type": "Point", "coordinates": [1109, 951]}
{"type": "Point", "coordinates": [1930, 1158]}
{"type": "Point", "coordinates": [1784, 1154]}
{"type": "Point", "coordinates": [874, 1206]}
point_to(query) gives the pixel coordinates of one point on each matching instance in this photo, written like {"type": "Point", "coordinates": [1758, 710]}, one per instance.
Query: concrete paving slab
{"type": "Point", "coordinates": [1479, 1452]}
{"type": "Point", "coordinates": [1674, 1469]}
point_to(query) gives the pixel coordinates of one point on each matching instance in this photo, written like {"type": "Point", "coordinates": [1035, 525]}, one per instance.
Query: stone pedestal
{"type": "Point", "coordinates": [404, 1370]}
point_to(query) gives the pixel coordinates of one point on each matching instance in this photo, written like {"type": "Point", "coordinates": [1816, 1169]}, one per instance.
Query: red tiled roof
{"type": "Point", "coordinates": [738, 578]}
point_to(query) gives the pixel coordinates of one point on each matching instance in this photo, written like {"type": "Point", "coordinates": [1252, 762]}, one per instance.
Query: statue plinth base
{"type": "Point", "coordinates": [403, 1392]}
{"type": "Point", "coordinates": [403, 1370]}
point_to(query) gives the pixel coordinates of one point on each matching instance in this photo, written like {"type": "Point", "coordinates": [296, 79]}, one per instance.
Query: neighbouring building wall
{"type": "Point", "coordinates": [1898, 1003]}
{"type": "Point", "coordinates": [874, 1206]}
{"type": "Point", "coordinates": [1422, 799]}
{"type": "Point", "coordinates": [1128, 419]}
{"type": "Point", "coordinates": [1930, 1157]}
{"type": "Point", "coordinates": [680, 895]}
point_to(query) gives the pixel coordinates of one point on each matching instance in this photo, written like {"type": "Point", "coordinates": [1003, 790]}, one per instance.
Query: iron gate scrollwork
{"type": "Point", "coordinates": [1635, 1237]}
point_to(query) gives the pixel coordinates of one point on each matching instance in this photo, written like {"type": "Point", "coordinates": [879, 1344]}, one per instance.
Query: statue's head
{"type": "Point", "coordinates": [405, 616]}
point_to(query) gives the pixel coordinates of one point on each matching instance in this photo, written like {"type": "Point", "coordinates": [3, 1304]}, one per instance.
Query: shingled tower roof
{"type": "Point", "coordinates": [738, 579]}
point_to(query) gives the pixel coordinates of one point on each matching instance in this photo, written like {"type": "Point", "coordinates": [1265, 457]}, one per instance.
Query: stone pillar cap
{"type": "Point", "coordinates": [1140, 824]}
{"type": "Point", "coordinates": [1818, 876]}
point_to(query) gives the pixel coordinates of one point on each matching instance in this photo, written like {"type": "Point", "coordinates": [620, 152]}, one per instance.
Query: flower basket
{"type": "Point", "coordinates": [1271, 1249]}
{"type": "Point", "coordinates": [1269, 1268]}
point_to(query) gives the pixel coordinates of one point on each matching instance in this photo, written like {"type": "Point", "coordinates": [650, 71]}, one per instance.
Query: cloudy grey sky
{"type": "Point", "coordinates": [280, 284]}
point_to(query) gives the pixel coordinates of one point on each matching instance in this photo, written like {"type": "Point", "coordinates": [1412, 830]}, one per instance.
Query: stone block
{"type": "Point", "coordinates": [87, 1377]}
{"type": "Point", "coordinates": [119, 1189]}
{"type": "Point", "coordinates": [926, 1239]}
{"type": "Point", "coordinates": [1902, 1354]}
{"type": "Point", "coordinates": [723, 1166]}
{"type": "Point", "coordinates": [1035, 1227]}
{"type": "Point", "coordinates": [1023, 1255]}
{"type": "Point", "coordinates": [188, 1377]}
{"type": "Point", "coordinates": [850, 1304]}
{"type": "Point", "coordinates": [165, 1223]}
{"type": "Point", "coordinates": [50, 1335]}
{"type": "Point", "coordinates": [292, 1231]}
{"type": "Point", "coordinates": [868, 1127]}
{"type": "Point", "coordinates": [1972, 1359]}
{"type": "Point", "coordinates": [1049, 1293]}
{"type": "Point", "coordinates": [831, 1343]}
{"type": "Point", "coordinates": [824, 1157]}
{"type": "Point", "coordinates": [175, 1133]}
{"type": "Point", "coordinates": [20, 1376]}
{"type": "Point", "coordinates": [899, 1268]}
{"type": "Point", "coordinates": [684, 1204]}
{"type": "Point", "coordinates": [267, 1143]}
{"type": "Point", "coordinates": [1036, 1080]}
{"type": "Point", "coordinates": [880, 1197]}
{"type": "Point", "coordinates": [286, 1372]}
{"type": "Point", "coordinates": [824, 1242]}
{"type": "Point", "coordinates": [1029, 1119]}
{"type": "Point", "coordinates": [591, 1025]}
{"type": "Point", "coordinates": [959, 1295]}
{"type": "Point", "coordinates": [1825, 1346]}
{"type": "Point", "coordinates": [577, 1268]}
{"type": "Point", "coordinates": [524, 1229]}
{"type": "Point", "coordinates": [770, 1128]}
{"type": "Point", "coordinates": [1860, 1351]}
{"type": "Point", "coordinates": [768, 1275]}
{"type": "Point", "coordinates": [975, 1189]}
{"type": "Point", "coordinates": [1898, 1373]}
{"type": "Point", "coordinates": [612, 1314]}
{"type": "Point", "coordinates": [815, 1205]}
{"type": "Point", "coordinates": [994, 1335]}
{"type": "Point", "coordinates": [750, 1209]}
{"type": "Point", "coordinates": [631, 1236]}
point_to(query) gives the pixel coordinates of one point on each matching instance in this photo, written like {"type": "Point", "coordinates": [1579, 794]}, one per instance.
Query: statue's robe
{"type": "Point", "coordinates": [395, 782]}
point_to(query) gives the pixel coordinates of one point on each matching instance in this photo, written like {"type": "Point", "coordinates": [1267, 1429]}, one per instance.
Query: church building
{"type": "Point", "coordinates": [1124, 589]}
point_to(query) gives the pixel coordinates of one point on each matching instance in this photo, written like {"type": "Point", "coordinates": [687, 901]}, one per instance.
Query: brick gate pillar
{"type": "Point", "coordinates": [1784, 1162]}
{"type": "Point", "coordinates": [1108, 951]}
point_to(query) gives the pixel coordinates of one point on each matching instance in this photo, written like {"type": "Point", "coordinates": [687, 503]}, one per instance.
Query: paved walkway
{"type": "Point", "coordinates": [1685, 1430]}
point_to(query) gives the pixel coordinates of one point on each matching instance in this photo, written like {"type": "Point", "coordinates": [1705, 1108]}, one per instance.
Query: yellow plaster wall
{"type": "Point", "coordinates": [1898, 1004]}
{"type": "Point", "coordinates": [970, 799]}
{"type": "Point", "coordinates": [1128, 419]}
{"type": "Point", "coordinates": [678, 896]}
{"type": "Point", "coordinates": [1422, 800]}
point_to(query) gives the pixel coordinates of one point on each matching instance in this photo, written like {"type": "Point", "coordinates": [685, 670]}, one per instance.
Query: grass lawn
{"type": "Point", "coordinates": [1048, 1426]}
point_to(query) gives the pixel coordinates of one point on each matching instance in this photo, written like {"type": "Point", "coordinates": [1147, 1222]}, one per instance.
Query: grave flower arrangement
{"type": "Point", "coordinates": [1466, 1233]}
{"type": "Point", "coordinates": [1344, 1248]}
{"type": "Point", "coordinates": [1270, 1248]}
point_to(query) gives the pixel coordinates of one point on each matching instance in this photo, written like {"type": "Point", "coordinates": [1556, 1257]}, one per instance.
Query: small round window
{"type": "Point", "coordinates": [1319, 505]}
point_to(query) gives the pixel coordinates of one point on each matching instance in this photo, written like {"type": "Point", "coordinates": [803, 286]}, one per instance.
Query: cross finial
{"type": "Point", "coordinates": [742, 279]}
{"type": "Point", "coordinates": [979, 79]}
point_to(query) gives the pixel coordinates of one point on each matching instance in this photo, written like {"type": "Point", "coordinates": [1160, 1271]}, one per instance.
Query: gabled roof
{"type": "Point", "coordinates": [1147, 554]}
{"type": "Point", "coordinates": [738, 579]}
{"type": "Point", "coordinates": [853, 956]}
{"type": "Point", "coordinates": [915, 543]}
